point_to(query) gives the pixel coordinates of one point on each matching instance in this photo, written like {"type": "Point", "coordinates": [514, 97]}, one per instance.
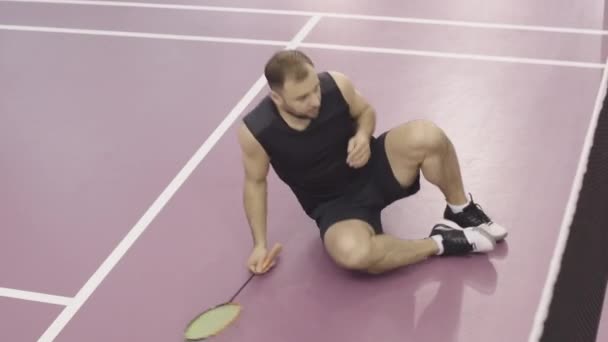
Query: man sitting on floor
{"type": "Point", "coordinates": [317, 132]}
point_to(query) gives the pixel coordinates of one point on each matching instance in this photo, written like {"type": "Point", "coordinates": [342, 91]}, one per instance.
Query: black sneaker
{"type": "Point", "coordinates": [474, 216]}
{"type": "Point", "coordinates": [455, 242]}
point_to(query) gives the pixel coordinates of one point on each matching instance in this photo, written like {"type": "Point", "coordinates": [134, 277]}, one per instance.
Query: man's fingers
{"type": "Point", "coordinates": [351, 145]}
{"type": "Point", "coordinates": [253, 268]}
{"type": "Point", "coordinates": [274, 252]}
{"type": "Point", "coordinates": [355, 153]}
{"type": "Point", "coordinates": [358, 158]}
{"type": "Point", "coordinates": [358, 154]}
{"type": "Point", "coordinates": [259, 265]}
{"type": "Point", "coordinates": [269, 260]}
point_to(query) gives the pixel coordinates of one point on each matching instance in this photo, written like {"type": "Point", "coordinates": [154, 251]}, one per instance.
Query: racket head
{"type": "Point", "coordinates": [212, 321]}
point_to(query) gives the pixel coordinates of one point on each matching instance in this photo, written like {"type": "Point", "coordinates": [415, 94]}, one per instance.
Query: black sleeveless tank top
{"type": "Point", "coordinates": [311, 162]}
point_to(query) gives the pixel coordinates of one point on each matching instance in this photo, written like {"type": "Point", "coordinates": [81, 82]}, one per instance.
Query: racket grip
{"type": "Point", "coordinates": [274, 252]}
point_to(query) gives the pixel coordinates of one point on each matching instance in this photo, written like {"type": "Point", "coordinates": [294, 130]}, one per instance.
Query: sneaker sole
{"type": "Point", "coordinates": [452, 225]}
{"type": "Point", "coordinates": [497, 238]}
{"type": "Point", "coordinates": [486, 234]}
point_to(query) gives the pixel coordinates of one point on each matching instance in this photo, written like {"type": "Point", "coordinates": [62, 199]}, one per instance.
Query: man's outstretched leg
{"type": "Point", "coordinates": [353, 245]}
{"type": "Point", "coordinates": [422, 146]}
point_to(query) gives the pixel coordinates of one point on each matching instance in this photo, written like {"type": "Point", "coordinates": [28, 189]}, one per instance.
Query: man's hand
{"type": "Point", "coordinates": [261, 261]}
{"type": "Point", "coordinates": [365, 117]}
{"type": "Point", "coordinates": [358, 150]}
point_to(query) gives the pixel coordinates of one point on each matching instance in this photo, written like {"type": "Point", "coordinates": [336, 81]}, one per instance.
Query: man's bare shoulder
{"type": "Point", "coordinates": [349, 92]}
{"type": "Point", "coordinates": [340, 78]}
{"type": "Point", "coordinates": [248, 142]}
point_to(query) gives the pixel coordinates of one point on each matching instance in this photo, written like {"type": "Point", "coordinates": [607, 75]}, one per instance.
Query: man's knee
{"type": "Point", "coordinates": [408, 145]}
{"type": "Point", "coordinates": [422, 135]}
{"type": "Point", "coordinates": [349, 245]}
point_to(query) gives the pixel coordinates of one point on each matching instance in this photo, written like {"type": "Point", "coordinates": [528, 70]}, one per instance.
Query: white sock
{"type": "Point", "coordinates": [458, 208]}
{"type": "Point", "coordinates": [439, 240]}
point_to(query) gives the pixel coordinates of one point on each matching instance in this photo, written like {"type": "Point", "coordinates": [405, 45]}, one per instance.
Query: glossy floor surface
{"type": "Point", "coordinates": [122, 181]}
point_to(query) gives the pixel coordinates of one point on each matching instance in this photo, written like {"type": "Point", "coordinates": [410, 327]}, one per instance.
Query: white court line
{"type": "Point", "coordinates": [506, 59]}
{"type": "Point", "coordinates": [35, 296]}
{"type": "Point", "coordinates": [554, 269]}
{"type": "Point", "coordinates": [367, 49]}
{"type": "Point", "coordinates": [141, 35]}
{"type": "Point", "coordinates": [328, 15]}
{"type": "Point", "coordinates": [83, 294]}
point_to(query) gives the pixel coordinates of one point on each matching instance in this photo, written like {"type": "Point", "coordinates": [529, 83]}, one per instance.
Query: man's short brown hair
{"type": "Point", "coordinates": [286, 64]}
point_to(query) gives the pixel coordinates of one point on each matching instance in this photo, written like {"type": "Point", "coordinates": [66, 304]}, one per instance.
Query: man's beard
{"type": "Point", "coordinates": [297, 115]}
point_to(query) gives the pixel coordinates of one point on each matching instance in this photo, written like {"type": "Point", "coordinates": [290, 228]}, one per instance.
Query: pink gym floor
{"type": "Point", "coordinates": [121, 178]}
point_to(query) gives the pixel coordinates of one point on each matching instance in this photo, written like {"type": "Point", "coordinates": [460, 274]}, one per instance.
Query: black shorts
{"type": "Point", "coordinates": [368, 200]}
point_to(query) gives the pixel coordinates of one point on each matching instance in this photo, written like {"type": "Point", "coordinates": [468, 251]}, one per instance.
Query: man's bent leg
{"type": "Point", "coordinates": [421, 145]}
{"type": "Point", "coordinates": [352, 244]}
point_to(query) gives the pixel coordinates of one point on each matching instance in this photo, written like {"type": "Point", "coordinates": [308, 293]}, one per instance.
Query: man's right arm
{"type": "Point", "coordinates": [256, 164]}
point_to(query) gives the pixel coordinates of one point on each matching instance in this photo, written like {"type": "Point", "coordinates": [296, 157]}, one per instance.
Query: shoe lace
{"type": "Point", "coordinates": [477, 216]}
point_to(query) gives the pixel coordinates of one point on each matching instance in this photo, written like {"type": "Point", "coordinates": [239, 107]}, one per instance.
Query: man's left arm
{"type": "Point", "coordinates": [358, 146]}
{"type": "Point", "coordinates": [360, 109]}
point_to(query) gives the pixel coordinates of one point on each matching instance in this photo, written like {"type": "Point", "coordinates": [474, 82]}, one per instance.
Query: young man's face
{"type": "Point", "coordinates": [301, 99]}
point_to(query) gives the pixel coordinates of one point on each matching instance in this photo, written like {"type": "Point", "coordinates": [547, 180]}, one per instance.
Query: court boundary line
{"type": "Point", "coordinates": [121, 249]}
{"type": "Point", "coordinates": [542, 310]}
{"type": "Point", "coordinates": [312, 45]}
{"type": "Point", "coordinates": [35, 296]}
{"type": "Point", "coordinates": [455, 55]}
{"type": "Point", "coordinates": [134, 34]}
{"type": "Point", "coordinates": [363, 17]}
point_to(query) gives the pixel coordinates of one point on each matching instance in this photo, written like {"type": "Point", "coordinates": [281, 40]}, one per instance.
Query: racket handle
{"type": "Point", "coordinates": [274, 252]}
